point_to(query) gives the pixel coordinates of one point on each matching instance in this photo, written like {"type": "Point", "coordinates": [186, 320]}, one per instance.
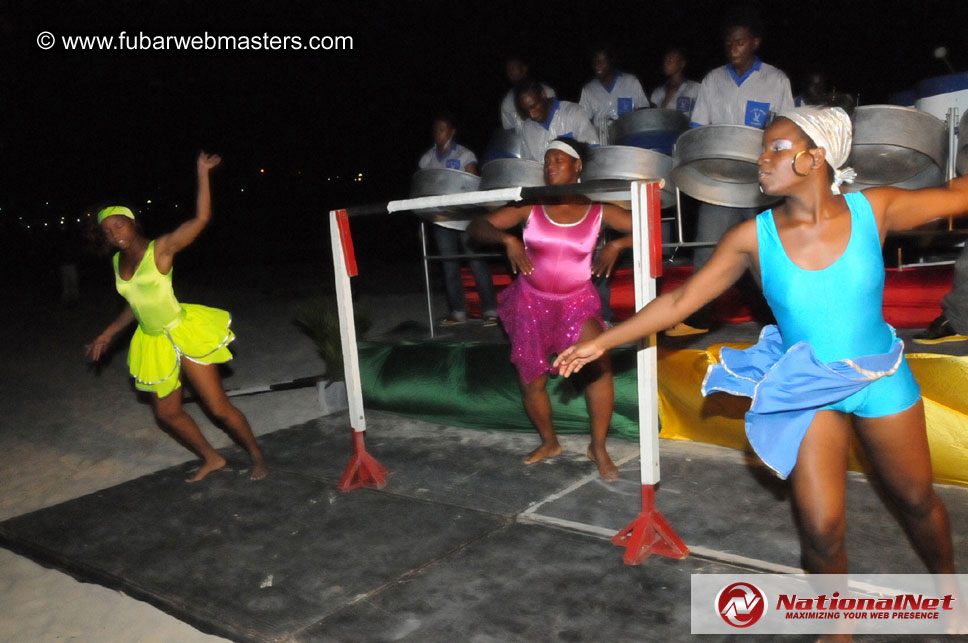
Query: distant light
{"type": "Point", "coordinates": [262, 170]}
{"type": "Point", "coordinates": [78, 220]}
{"type": "Point", "coordinates": [242, 190]}
{"type": "Point", "coordinates": [176, 205]}
{"type": "Point", "coordinates": [360, 175]}
{"type": "Point", "coordinates": [45, 224]}
{"type": "Point", "coordinates": [46, 202]}
{"type": "Point", "coordinates": [148, 201]}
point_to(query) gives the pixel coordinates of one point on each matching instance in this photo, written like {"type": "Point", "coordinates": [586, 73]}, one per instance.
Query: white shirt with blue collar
{"type": "Point", "coordinates": [457, 157]}
{"type": "Point", "coordinates": [510, 118]}
{"type": "Point", "coordinates": [564, 119]}
{"type": "Point", "coordinates": [683, 100]}
{"type": "Point", "coordinates": [727, 98]}
{"type": "Point", "coordinates": [606, 104]}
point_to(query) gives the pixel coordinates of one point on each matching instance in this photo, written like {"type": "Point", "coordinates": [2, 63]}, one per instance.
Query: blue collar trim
{"type": "Point", "coordinates": [757, 63]}
{"type": "Point", "coordinates": [555, 104]}
{"type": "Point", "coordinates": [453, 148]}
{"type": "Point", "coordinates": [611, 86]}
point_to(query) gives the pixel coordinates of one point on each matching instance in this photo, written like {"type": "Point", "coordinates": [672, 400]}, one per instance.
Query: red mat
{"type": "Point", "coordinates": [912, 297]}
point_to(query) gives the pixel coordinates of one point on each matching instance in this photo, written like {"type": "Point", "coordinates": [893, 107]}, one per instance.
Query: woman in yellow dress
{"type": "Point", "coordinates": [173, 338]}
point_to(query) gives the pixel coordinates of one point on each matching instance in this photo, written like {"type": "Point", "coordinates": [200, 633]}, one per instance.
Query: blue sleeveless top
{"type": "Point", "coordinates": [836, 310]}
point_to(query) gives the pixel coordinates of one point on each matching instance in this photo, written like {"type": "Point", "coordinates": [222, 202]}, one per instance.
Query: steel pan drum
{"type": "Point", "coordinates": [897, 146]}
{"type": "Point", "coordinates": [439, 181]}
{"type": "Point", "coordinates": [628, 163]}
{"type": "Point", "coordinates": [504, 144]}
{"type": "Point", "coordinates": [961, 158]}
{"type": "Point", "coordinates": [510, 173]}
{"type": "Point", "coordinates": [717, 164]}
{"type": "Point", "coordinates": [652, 129]}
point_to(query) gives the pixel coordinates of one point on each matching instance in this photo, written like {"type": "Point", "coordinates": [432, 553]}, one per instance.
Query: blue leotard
{"type": "Point", "coordinates": [838, 310]}
{"type": "Point", "coordinates": [832, 350]}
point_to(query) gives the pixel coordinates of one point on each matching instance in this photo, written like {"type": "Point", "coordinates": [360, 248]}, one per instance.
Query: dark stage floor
{"type": "Point", "coordinates": [463, 544]}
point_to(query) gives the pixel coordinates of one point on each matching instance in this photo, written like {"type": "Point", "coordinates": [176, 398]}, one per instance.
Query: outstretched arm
{"type": "Point", "coordinates": [95, 349]}
{"type": "Point", "coordinates": [898, 209]}
{"type": "Point", "coordinates": [732, 257]}
{"type": "Point", "coordinates": [491, 229]}
{"type": "Point", "coordinates": [167, 245]}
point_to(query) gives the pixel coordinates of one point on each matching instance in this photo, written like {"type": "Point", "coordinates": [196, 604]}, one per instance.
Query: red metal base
{"type": "Point", "coordinates": [363, 469]}
{"type": "Point", "coordinates": [649, 534]}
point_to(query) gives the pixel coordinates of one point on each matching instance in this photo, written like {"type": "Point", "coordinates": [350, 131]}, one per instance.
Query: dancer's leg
{"type": "Point", "coordinates": [819, 482]}
{"type": "Point", "coordinates": [897, 447]}
{"type": "Point", "coordinates": [537, 405]}
{"type": "Point", "coordinates": [600, 401]}
{"type": "Point", "coordinates": [169, 412]}
{"type": "Point", "coordinates": [207, 383]}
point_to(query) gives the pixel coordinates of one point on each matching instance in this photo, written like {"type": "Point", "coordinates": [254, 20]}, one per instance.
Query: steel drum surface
{"type": "Point", "coordinates": [717, 164]}
{"type": "Point", "coordinates": [440, 181]}
{"type": "Point", "coordinates": [651, 128]}
{"type": "Point", "coordinates": [510, 173]}
{"type": "Point", "coordinates": [632, 164]}
{"type": "Point", "coordinates": [504, 144]}
{"type": "Point", "coordinates": [897, 146]}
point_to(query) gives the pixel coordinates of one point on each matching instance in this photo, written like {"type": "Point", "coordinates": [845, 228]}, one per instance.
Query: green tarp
{"type": "Point", "coordinates": [475, 386]}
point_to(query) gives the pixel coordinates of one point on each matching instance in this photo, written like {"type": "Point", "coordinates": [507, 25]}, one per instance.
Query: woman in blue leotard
{"type": "Point", "coordinates": [818, 258]}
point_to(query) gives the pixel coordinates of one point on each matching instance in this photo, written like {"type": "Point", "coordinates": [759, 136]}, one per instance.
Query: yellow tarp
{"type": "Point", "coordinates": [718, 419]}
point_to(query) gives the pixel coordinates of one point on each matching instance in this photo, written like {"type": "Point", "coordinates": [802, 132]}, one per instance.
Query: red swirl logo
{"type": "Point", "coordinates": [741, 604]}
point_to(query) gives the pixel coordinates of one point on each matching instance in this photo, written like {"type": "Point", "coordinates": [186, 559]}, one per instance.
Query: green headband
{"type": "Point", "coordinates": [110, 211]}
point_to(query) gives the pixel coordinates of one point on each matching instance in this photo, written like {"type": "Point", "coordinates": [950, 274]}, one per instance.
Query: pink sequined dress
{"type": "Point", "coordinates": [543, 312]}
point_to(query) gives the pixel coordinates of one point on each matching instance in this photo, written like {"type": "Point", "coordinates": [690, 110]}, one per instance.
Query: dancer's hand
{"type": "Point", "coordinates": [207, 161]}
{"type": "Point", "coordinates": [95, 349]}
{"type": "Point", "coordinates": [605, 260]}
{"type": "Point", "coordinates": [518, 256]}
{"type": "Point", "coordinates": [574, 357]}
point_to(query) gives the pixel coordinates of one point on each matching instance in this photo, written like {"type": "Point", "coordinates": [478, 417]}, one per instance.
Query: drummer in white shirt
{"type": "Point", "coordinates": [677, 92]}
{"type": "Point", "coordinates": [517, 70]}
{"type": "Point", "coordinates": [745, 91]}
{"type": "Point", "coordinates": [612, 93]}
{"type": "Point", "coordinates": [548, 119]}
{"type": "Point", "coordinates": [450, 234]}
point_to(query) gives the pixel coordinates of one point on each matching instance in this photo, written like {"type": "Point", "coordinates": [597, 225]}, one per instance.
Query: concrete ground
{"type": "Point", "coordinates": [464, 543]}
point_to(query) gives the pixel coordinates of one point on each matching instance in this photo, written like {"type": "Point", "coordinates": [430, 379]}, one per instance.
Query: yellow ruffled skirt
{"type": "Point", "coordinates": [202, 335]}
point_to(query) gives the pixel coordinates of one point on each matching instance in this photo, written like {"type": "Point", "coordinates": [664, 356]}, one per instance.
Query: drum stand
{"type": "Point", "coordinates": [427, 258]}
{"type": "Point", "coordinates": [950, 172]}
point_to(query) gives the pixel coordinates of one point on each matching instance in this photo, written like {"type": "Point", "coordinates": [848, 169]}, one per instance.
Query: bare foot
{"type": "Point", "coordinates": [606, 468]}
{"type": "Point", "coordinates": [542, 452]}
{"type": "Point", "coordinates": [207, 467]}
{"type": "Point", "coordinates": [259, 470]}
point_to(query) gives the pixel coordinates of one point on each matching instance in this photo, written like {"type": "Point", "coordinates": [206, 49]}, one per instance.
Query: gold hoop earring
{"type": "Point", "coordinates": [797, 158]}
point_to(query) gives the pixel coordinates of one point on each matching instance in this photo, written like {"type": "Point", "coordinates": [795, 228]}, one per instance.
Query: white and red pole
{"type": "Point", "coordinates": [649, 533]}
{"type": "Point", "coordinates": [363, 470]}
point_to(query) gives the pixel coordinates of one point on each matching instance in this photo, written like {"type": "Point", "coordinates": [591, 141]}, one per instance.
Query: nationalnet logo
{"type": "Point", "coordinates": [829, 604]}
{"type": "Point", "coordinates": [741, 604]}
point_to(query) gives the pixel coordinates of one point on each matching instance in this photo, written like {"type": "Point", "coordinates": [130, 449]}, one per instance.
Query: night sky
{"type": "Point", "coordinates": [81, 127]}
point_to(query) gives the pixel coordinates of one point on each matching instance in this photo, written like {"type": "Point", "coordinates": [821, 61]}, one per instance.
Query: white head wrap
{"type": "Point", "coordinates": [564, 147]}
{"type": "Point", "coordinates": [831, 129]}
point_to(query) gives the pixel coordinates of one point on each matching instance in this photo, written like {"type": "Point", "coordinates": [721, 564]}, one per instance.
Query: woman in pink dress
{"type": "Point", "coordinates": [553, 302]}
